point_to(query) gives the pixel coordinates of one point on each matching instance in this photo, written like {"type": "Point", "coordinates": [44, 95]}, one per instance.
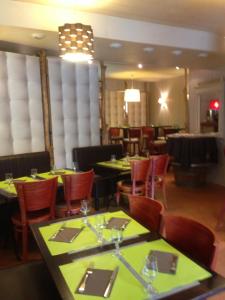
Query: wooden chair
{"type": "Point", "coordinates": [133, 141]}
{"type": "Point", "coordinates": [190, 237]}
{"type": "Point", "coordinates": [157, 175]}
{"type": "Point", "coordinates": [147, 139]}
{"type": "Point", "coordinates": [37, 204]}
{"type": "Point", "coordinates": [146, 211]}
{"type": "Point", "coordinates": [77, 187]}
{"type": "Point", "coordinates": [138, 183]}
{"type": "Point", "coordinates": [115, 136]}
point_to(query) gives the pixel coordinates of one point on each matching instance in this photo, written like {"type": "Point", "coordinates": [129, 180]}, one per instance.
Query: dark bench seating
{"type": "Point", "coordinates": [27, 282]}
{"type": "Point", "coordinates": [21, 164]}
{"type": "Point", "coordinates": [104, 183]}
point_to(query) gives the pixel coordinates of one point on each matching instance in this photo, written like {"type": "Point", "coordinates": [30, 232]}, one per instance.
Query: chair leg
{"type": "Point", "coordinates": [24, 243]}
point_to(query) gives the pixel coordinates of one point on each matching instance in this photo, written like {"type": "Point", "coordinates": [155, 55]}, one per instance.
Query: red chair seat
{"type": "Point", "coordinates": [35, 217]}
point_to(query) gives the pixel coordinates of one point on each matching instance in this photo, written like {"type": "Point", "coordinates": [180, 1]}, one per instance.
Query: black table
{"type": "Point", "coordinates": [202, 290]}
{"type": "Point", "coordinates": [192, 155]}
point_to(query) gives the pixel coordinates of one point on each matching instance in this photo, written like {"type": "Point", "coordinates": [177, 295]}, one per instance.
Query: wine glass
{"type": "Point", "coordinates": [150, 271]}
{"type": "Point", "coordinates": [84, 210]}
{"type": "Point", "coordinates": [9, 179]}
{"type": "Point", "coordinates": [116, 238]}
{"type": "Point", "coordinates": [53, 169]}
{"type": "Point", "coordinates": [33, 173]}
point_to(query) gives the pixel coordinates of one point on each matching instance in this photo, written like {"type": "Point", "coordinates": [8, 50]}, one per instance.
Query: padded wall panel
{"type": "Point", "coordinates": [21, 116]}
{"type": "Point", "coordinates": [74, 108]}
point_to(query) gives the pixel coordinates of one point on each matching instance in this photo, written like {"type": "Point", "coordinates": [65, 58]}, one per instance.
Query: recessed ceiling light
{"type": "Point", "coordinates": [38, 35]}
{"type": "Point", "coordinates": [148, 49]}
{"type": "Point", "coordinates": [177, 52]}
{"type": "Point", "coordinates": [140, 66]}
{"type": "Point", "coordinates": [177, 68]}
{"type": "Point", "coordinates": [203, 54]}
{"type": "Point", "coordinates": [115, 45]}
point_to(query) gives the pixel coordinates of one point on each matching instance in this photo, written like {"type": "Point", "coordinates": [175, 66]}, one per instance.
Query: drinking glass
{"type": "Point", "coordinates": [75, 166]}
{"type": "Point", "coordinates": [150, 271]}
{"type": "Point", "coordinates": [113, 158]}
{"type": "Point", "coordinates": [9, 179]}
{"type": "Point", "coordinates": [116, 238]}
{"type": "Point", "coordinates": [33, 173]}
{"type": "Point", "coordinates": [100, 225]}
{"type": "Point", "coordinates": [84, 209]}
{"type": "Point", "coordinates": [53, 169]}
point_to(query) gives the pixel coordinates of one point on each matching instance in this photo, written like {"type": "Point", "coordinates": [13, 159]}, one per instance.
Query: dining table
{"type": "Point", "coordinates": [86, 267]}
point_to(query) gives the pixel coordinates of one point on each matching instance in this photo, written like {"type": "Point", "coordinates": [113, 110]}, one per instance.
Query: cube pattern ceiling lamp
{"type": "Point", "coordinates": [76, 42]}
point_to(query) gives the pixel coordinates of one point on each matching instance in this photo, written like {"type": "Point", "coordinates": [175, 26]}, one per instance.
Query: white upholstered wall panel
{"type": "Point", "coordinates": [21, 116]}
{"type": "Point", "coordinates": [74, 107]}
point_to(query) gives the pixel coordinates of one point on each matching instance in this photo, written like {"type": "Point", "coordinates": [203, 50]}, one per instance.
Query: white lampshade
{"type": "Point", "coordinates": [132, 95]}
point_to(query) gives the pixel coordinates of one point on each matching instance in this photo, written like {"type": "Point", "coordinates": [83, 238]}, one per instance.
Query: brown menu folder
{"type": "Point", "coordinates": [166, 261]}
{"type": "Point", "coordinates": [65, 234]}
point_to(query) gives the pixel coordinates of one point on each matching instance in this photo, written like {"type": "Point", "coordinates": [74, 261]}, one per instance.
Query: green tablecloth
{"type": "Point", "coordinates": [87, 238]}
{"type": "Point", "coordinates": [126, 286]}
{"type": "Point", "coordinates": [48, 175]}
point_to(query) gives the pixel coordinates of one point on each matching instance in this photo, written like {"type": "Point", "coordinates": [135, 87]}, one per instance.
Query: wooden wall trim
{"type": "Point", "coordinates": [46, 104]}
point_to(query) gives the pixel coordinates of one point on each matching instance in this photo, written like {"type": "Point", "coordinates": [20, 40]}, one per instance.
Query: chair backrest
{"type": "Point", "coordinates": [148, 131]}
{"type": "Point", "coordinates": [77, 186]}
{"type": "Point", "coordinates": [159, 165]}
{"type": "Point", "coordinates": [139, 172]}
{"type": "Point", "coordinates": [191, 237]}
{"type": "Point", "coordinates": [146, 211]}
{"type": "Point", "coordinates": [134, 132]}
{"type": "Point", "coordinates": [37, 196]}
{"type": "Point", "coordinates": [114, 132]}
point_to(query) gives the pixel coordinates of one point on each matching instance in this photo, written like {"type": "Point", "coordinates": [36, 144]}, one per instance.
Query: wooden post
{"type": "Point", "coordinates": [102, 105]}
{"type": "Point", "coordinates": [46, 104]}
{"type": "Point", "coordinates": [186, 98]}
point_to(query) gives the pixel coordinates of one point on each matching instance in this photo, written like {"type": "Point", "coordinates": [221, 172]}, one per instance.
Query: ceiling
{"type": "Point", "coordinates": [205, 18]}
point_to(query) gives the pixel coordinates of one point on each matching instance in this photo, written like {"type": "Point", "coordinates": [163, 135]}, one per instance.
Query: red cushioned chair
{"type": "Point", "coordinates": [138, 183]}
{"type": "Point", "coordinates": [157, 175]}
{"type": "Point", "coordinates": [37, 204]}
{"type": "Point", "coordinates": [146, 211]}
{"type": "Point", "coordinates": [190, 237]}
{"type": "Point", "coordinates": [133, 141]}
{"type": "Point", "coordinates": [115, 135]}
{"type": "Point", "coordinates": [77, 187]}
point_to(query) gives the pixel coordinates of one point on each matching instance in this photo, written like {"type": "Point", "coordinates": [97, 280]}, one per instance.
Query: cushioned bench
{"type": "Point", "coordinates": [21, 164]}
{"type": "Point", "coordinates": [87, 157]}
{"type": "Point", "coordinates": [27, 282]}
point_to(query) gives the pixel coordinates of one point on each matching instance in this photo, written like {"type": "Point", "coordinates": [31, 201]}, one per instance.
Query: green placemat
{"type": "Point", "coordinates": [87, 238]}
{"type": "Point", "coordinates": [126, 286]}
{"type": "Point", "coordinates": [118, 164]}
{"type": "Point", "coordinates": [48, 175]}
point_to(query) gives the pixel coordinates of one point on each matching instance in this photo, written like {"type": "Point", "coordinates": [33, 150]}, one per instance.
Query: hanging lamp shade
{"type": "Point", "coordinates": [76, 42]}
{"type": "Point", "coordinates": [132, 95]}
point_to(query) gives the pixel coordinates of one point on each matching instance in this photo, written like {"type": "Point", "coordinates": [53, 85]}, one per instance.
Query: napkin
{"type": "Point", "coordinates": [166, 261]}
{"type": "Point", "coordinates": [65, 234]}
{"type": "Point", "coordinates": [96, 282]}
{"type": "Point", "coordinates": [117, 223]}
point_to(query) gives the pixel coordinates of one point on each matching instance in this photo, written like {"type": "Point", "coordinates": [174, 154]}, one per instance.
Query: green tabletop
{"type": "Point", "coordinates": [87, 238]}
{"type": "Point", "coordinates": [120, 164]}
{"type": "Point", "coordinates": [126, 285]}
{"type": "Point", "coordinates": [10, 188]}
{"type": "Point", "coordinates": [48, 175]}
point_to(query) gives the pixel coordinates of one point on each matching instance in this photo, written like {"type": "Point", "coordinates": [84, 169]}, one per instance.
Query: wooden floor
{"type": "Point", "coordinates": [202, 204]}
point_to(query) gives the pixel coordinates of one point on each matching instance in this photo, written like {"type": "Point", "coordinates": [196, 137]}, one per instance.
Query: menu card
{"type": "Point", "coordinates": [117, 223]}
{"type": "Point", "coordinates": [167, 262]}
{"type": "Point", "coordinates": [65, 234]}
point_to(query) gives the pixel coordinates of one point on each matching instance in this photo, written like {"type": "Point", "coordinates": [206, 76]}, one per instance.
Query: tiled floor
{"type": "Point", "coordinates": [202, 204]}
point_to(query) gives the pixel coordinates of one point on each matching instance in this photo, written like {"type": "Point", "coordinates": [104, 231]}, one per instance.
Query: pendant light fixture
{"type": "Point", "coordinates": [132, 95]}
{"type": "Point", "coordinates": [76, 42]}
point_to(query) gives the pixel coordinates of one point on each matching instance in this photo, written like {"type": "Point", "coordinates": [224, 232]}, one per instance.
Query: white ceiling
{"type": "Point", "coordinates": [202, 33]}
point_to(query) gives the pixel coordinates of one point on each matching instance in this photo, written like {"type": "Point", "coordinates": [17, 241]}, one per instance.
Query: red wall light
{"type": "Point", "coordinates": [214, 104]}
